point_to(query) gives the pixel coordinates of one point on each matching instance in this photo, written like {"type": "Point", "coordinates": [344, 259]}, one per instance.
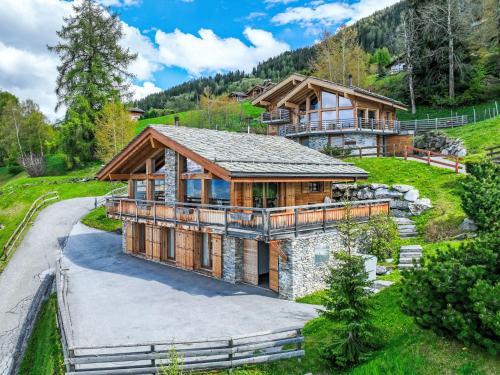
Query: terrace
{"type": "Point", "coordinates": [245, 222]}
{"type": "Point", "coordinates": [341, 126]}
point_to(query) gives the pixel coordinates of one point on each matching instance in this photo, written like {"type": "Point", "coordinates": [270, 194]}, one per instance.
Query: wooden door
{"type": "Point", "coordinates": [163, 244]}
{"type": "Point", "coordinates": [156, 242]}
{"type": "Point", "coordinates": [197, 238]}
{"type": "Point", "coordinates": [274, 266]}
{"type": "Point", "coordinates": [250, 262]}
{"type": "Point", "coordinates": [217, 255]}
{"type": "Point", "coordinates": [130, 237]}
{"type": "Point", "coordinates": [149, 241]}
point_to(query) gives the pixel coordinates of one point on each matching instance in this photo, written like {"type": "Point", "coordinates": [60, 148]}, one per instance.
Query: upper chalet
{"type": "Point", "coordinates": [319, 113]}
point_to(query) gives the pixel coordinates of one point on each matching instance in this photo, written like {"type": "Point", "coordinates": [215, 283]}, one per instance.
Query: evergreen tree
{"type": "Point", "coordinates": [93, 69]}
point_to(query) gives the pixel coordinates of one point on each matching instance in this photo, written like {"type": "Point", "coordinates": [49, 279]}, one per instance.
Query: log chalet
{"type": "Point", "coordinates": [234, 206]}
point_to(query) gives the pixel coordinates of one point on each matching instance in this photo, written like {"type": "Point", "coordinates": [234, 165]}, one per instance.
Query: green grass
{"type": "Point", "coordinates": [190, 118]}
{"type": "Point", "coordinates": [43, 354]}
{"type": "Point", "coordinates": [97, 219]}
{"type": "Point", "coordinates": [424, 112]}
{"type": "Point", "coordinates": [440, 185]}
{"type": "Point", "coordinates": [405, 348]}
{"type": "Point", "coordinates": [477, 137]}
{"type": "Point", "coordinates": [17, 193]}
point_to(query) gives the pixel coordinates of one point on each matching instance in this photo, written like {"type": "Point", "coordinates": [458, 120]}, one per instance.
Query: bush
{"type": "Point", "coordinates": [457, 291]}
{"type": "Point", "coordinates": [14, 169]}
{"type": "Point", "coordinates": [380, 237]}
{"type": "Point", "coordinates": [481, 195]}
{"type": "Point", "coordinates": [347, 302]}
{"type": "Point", "coordinates": [338, 152]}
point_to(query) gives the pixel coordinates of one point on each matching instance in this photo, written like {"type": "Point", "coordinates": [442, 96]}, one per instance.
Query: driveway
{"type": "Point", "coordinates": [36, 255]}
{"type": "Point", "coordinates": [116, 299]}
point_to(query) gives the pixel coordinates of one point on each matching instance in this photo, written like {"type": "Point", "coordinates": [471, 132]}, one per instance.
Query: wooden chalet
{"type": "Point", "coordinates": [135, 113]}
{"type": "Point", "coordinates": [320, 113]}
{"type": "Point", "coordinates": [235, 206]}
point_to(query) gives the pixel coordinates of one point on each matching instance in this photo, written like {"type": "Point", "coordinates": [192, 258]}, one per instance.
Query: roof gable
{"type": "Point", "coordinates": [278, 90]}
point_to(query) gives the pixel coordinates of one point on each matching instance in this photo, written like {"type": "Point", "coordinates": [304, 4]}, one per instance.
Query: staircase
{"type": "Point", "coordinates": [407, 254]}
{"type": "Point", "coordinates": [406, 227]}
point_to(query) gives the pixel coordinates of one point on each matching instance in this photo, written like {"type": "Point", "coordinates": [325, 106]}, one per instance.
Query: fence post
{"type": "Point", "coordinates": [153, 361]}
{"type": "Point", "coordinates": [474, 112]}
{"type": "Point", "coordinates": [456, 164]}
{"type": "Point", "coordinates": [406, 152]}
{"type": "Point", "coordinates": [360, 152]}
{"type": "Point", "coordinates": [393, 150]}
{"type": "Point", "coordinates": [225, 220]}
{"type": "Point", "coordinates": [496, 106]}
{"type": "Point", "coordinates": [230, 356]}
{"type": "Point", "coordinates": [428, 157]}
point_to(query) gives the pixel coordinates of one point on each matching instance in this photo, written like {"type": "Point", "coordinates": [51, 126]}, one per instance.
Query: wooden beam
{"type": "Point", "coordinates": [197, 176]}
{"type": "Point", "coordinates": [291, 105]}
{"type": "Point", "coordinates": [298, 179]}
{"type": "Point", "coordinates": [135, 176]}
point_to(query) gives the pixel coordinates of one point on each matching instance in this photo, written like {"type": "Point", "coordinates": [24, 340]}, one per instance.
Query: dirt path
{"type": "Point", "coordinates": [36, 255]}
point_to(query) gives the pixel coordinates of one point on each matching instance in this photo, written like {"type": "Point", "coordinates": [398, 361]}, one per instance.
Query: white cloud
{"type": "Point", "coordinates": [146, 89]}
{"type": "Point", "coordinates": [119, 3]}
{"type": "Point", "coordinates": [210, 53]}
{"type": "Point", "coordinates": [255, 15]}
{"type": "Point", "coordinates": [279, 1]}
{"type": "Point", "coordinates": [316, 17]}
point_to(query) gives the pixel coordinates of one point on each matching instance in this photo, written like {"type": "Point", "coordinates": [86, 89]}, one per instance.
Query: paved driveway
{"type": "Point", "coordinates": [115, 298]}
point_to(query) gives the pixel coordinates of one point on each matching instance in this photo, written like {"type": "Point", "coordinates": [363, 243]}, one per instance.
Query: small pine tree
{"type": "Point", "coordinates": [347, 302]}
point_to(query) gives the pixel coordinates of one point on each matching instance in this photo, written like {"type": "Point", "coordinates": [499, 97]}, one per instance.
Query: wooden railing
{"type": "Point", "coordinates": [494, 154]}
{"type": "Point", "coordinates": [247, 222]}
{"type": "Point", "coordinates": [37, 204]}
{"type": "Point", "coordinates": [276, 115]}
{"type": "Point", "coordinates": [199, 355]}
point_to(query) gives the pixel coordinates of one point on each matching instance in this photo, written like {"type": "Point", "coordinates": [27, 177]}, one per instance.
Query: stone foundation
{"type": "Point", "coordinates": [232, 259]}
{"type": "Point", "coordinates": [348, 140]}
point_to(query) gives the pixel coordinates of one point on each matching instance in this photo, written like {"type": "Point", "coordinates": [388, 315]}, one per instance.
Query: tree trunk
{"type": "Point", "coordinates": [451, 60]}
{"type": "Point", "coordinates": [412, 91]}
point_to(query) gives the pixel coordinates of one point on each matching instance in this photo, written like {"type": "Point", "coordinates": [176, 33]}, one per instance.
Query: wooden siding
{"type": "Point", "coordinates": [250, 262]}
{"type": "Point", "coordinates": [397, 143]}
{"type": "Point", "coordinates": [274, 266]}
{"type": "Point", "coordinates": [217, 255]}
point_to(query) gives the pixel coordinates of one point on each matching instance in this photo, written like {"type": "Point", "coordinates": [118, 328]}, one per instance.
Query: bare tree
{"type": "Point", "coordinates": [409, 39]}
{"type": "Point", "coordinates": [446, 20]}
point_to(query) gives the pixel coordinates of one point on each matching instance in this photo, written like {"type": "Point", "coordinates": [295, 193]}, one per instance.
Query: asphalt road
{"type": "Point", "coordinates": [36, 255]}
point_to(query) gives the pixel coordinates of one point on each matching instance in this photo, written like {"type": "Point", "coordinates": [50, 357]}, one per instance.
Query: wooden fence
{"type": "Point", "coordinates": [37, 204]}
{"type": "Point", "coordinates": [494, 154]}
{"type": "Point", "coordinates": [199, 355]}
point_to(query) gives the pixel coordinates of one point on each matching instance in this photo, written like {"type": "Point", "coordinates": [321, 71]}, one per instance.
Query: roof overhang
{"type": "Point", "coordinates": [278, 90]}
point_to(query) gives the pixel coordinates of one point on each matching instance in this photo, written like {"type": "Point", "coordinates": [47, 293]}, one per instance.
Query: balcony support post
{"type": "Point", "coordinates": [136, 210]}
{"type": "Point", "coordinates": [121, 209]}
{"type": "Point", "coordinates": [225, 220]}
{"type": "Point", "coordinates": [296, 220]}
{"type": "Point", "coordinates": [175, 215]}
{"type": "Point", "coordinates": [324, 219]}
{"type": "Point", "coordinates": [198, 217]}
{"type": "Point", "coordinates": [154, 213]}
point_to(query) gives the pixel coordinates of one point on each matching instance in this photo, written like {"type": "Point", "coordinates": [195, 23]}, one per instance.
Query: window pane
{"type": "Point", "coordinates": [371, 115]}
{"type": "Point", "coordinates": [321, 253]}
{"type": "Point", "coordinates": [313, 103]}
{"type": "Point", "coordinates": [258, 195]}
{"type": "Point", "coordinates": [329, 116]}
{"type": "Point", "coordinates": [159, 192]}
{"type": "Point", "coordinates": [328, 100]}
{"type": "Point", "coordinates": [205, 254]}
{"type": "Point", "coordinates": [344, 102]}
{"type": "Point", "coordinates": [272, 195]}
{"type": "Point", "coordinates": [313, 118]}
{"type": "Point", "coordinates": [345, 114]}
{"type": "Point", "coordinates": [140, 190]}
{"type": "Point", "coordinates": [171, 243]}
{"type": "Point", "coordinates": [219, 192]}
{"type": "Point", "coordinates": [192, 167]}
{"type": "Point", "coordinates": [193, 191]}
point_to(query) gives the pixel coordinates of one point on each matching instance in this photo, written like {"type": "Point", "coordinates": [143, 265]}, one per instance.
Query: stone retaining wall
{"type": "Point", "coordinates": [405, 199]}
{"type": "Point", "coordinates": [439, 142]}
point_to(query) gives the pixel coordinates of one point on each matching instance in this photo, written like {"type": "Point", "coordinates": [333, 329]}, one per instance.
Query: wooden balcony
{"type": "Point", "coordinates": [257, 223]}
{"type": "Point", "coordinates": [277, 116]}
{"type": "Point", "coordinates": [341, 126]}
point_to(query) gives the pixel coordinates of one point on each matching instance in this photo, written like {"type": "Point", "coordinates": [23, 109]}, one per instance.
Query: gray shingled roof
{"type": "Point", "coordinates": [245, 155]}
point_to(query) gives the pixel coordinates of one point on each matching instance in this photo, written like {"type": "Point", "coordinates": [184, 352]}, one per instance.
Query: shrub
{"type": "Point", "coordinates": [457, 291]}
{"type": "Point", "coordinates": [481, 195]}
{"type": "Point", "coordinates": [380, 237]}
{"type": "Point", "coordinates": [347, 302]}
{"type": "Point", "coordinates": [14, 169]}
{"type": "Point", "coordinates": [338, 152]}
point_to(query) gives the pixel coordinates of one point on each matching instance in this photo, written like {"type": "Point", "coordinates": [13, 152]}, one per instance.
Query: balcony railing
{"type": "Point", "coordinates": [246, 222]}
{"type": "Point", "coordinates": [339, 126]}
{"type": "Point", "coordinates": [276, 116]}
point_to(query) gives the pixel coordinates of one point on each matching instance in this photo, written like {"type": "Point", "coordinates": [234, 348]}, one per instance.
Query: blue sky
{"type": "Point", "coordinates": [175, 39]}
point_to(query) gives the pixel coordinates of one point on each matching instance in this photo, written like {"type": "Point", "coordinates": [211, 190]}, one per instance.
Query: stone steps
{"type": "Point", "coordinates": [408, 254]}
{"type": "Point", "coordinates": [406, 227]}
{"type": "Point", "coordinates": [378, 285]}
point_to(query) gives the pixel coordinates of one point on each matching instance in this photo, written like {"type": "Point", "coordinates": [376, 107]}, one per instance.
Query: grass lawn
{"type": "Point", "coordinates": [440, 185]}
{"type": "Point", "coordinates": [19, 192]}
{"type": "Point", "coordinates": [188, 117]}
{"type": "Point", "coordinates": [405, 348]}
{"type": "Point", "coordinates": [44, 352]}
{"type": "Point", "coordinates": [478, 136]}
{"type": "Point", "coordinates": [97, 219]}
{"type": "Point", "coordinates": [425, 111]}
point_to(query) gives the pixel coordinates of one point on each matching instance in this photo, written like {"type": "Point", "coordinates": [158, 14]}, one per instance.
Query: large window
{"type": "Point", "coordinates": [159, 190]}
{"type": "Point", "coordinates": [192, 167]}
{"type": "Point", "coordinates": [313, 103]}
{"type": "Point", "coordinates": [345, 114]}
{"type": "Point", "coordinates": [140, 190]}
{"type": "Point", "coordinates": [219, 192]}
{"type": "Point", "coordinates": [344, 102]}
{"type": "Point", "coordinates": [193, 191]}
{"type": "Point", "coordinates": [329, 116]}
{"type": "Point", "coordinates": [313, 118]}
{"type": "Point", "coordinates": [265, 195]}
{"type": "Point", "coordinates": [206, 251]}
{"type": "Point", "coordinates": [328, 100]}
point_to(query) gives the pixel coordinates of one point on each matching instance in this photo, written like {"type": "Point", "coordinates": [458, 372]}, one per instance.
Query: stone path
{"type": "Point", "coordinates": [35, 256]}
{"type": "Point", "coordinates": [407, 254]}
{"type": "Point", "coordinates": [406, 227]}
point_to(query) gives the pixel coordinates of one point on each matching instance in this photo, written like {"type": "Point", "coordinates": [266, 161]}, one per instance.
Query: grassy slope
{"type": "Point", "coordinates": [44, 353]}
{"type": "Point", "coordinates": [185, 117]}
{"type": "Point", "coordinates": [432, 112]}
{"type": "Point", "coordinates": [478, 136]}
{"type": "Point", "coordinates": [97, 219]}
{"type": "Point", "coordinates": [440, 185]}
{"type": "Point", "coordinates": [19, 192]}
{"type": "Point", "coordinates": [405, 348]}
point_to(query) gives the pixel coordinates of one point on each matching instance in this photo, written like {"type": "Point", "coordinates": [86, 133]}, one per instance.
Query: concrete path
{"type": "Point", "coordinates": [37, 253]}
{"type": "Point", "coordinates": [116, 299]}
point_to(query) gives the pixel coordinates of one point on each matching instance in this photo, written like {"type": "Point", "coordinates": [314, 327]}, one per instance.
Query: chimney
{"type": "Point", "coordinates": [176, 121]}
{"type": "Point", "coordinates": [350, 80]}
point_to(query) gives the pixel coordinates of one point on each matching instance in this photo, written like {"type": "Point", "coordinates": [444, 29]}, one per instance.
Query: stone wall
{"type": "Point", "coordinates": [439, 142]}
{"type": "Point", "coordinates": [405, 199]}
{"type": "Point", "coordinates": [232, 259]}
{"type": "Point", "coordinates": [300, 275]}
{"type": "Point", "coordinates": [170, 176]}
{"type": "Point", "coordinates": [320, 141]}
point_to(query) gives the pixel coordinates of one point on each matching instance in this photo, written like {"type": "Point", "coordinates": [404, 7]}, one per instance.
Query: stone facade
{"type": "Point", "coordinates": [353, 140]}
{"type": "Point", "coordinates": [318, 142]}
{"type": "Point", "coordinates": [300, 274]}
{"type": "Point", "coordinates": [232, 259]}
{"type": "Point", "coordinates": [170, 176]}
{"type": "Point", "coordinates": [124, 236]}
